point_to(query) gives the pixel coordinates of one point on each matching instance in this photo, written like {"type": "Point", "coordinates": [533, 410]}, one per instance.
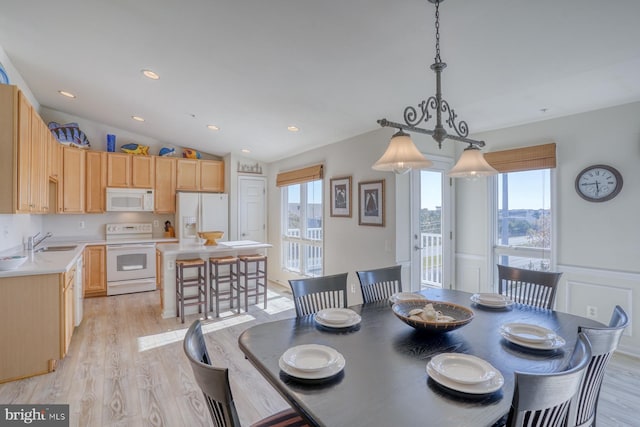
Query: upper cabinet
{"type": "Point", "coordinates": [165, 185]}
{"type": "Point", "coordinates": [129, 170]}
{"type": "Point", "coordinates": [73, 186]}
{"type": "Point", "coordinates": [212, 176]}
{"type": "Point", "coordinates": [24, 165]}
{"type": "Point", "coordinates": [96, 181]}
{"type": "Point", "coordinates": [142, 171]}
{"type": "Point", "coordinates": [200, 175]}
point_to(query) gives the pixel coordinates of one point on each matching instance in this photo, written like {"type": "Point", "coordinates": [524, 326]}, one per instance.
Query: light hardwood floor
{"type": "Point", "coordinates": [126, 367]}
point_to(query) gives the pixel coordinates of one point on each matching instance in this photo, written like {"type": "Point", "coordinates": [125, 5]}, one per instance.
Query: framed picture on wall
{"type": "Point", "coordinates": [341, 196]}
{"type": "Point", "coordinates": [371, 203]}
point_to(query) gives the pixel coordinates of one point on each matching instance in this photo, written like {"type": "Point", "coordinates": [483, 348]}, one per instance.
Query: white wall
{"type": "Point", "coordinates": [348, 247]}
{"type": "Point", "coordinates": [598, 244]}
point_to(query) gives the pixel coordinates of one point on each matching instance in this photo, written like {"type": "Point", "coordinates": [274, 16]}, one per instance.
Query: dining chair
{"type": "Point", "coordinates": [604, 341]}
{"type": "Point", "coordinates": [313, 294]}
{"type": "Point", "coordinates": [542, 400]}
{"type": "Point", "coordinates": [530, 287]}
{"type": "Point", "coordinates": [380, 284]}
{"type": "Point", "coordinates": [215, 386]}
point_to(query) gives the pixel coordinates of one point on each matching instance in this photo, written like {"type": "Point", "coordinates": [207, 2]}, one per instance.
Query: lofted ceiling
{"type": "Point", "coordinates": [331, 68]}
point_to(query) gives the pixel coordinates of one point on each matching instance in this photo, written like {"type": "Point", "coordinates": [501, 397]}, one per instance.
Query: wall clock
{"type": "Point", "coordinates": [598, 183]}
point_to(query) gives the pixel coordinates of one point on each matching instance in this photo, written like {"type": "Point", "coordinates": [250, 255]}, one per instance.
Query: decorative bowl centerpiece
{"type": "Point", "coordinates": [432, 316]}
{"type": "Point", "coordinates": [211, 237]}
{"type": "Point", "coordinates": [11, 262]}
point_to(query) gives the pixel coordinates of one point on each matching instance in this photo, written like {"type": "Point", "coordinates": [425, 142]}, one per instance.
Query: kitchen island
{"type": "Point", "coordinates": [166, 255]}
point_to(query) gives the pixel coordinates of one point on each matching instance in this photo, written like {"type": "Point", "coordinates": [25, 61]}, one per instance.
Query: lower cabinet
{"type": "Point", "coordinates": [95, 278]}
{"type": "Point", "coordinates": [68, 284]}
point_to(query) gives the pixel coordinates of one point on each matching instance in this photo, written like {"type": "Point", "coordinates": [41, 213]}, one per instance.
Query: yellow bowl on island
{"type": "Point", "coordinates": [211, 237]}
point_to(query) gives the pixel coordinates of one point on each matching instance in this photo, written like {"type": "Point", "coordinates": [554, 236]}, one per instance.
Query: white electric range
{"type": "Point", "coordinates": [131, 262]}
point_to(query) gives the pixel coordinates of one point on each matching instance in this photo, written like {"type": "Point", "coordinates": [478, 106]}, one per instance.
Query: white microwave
{"type": "Point", "coordinates": [129, 200]}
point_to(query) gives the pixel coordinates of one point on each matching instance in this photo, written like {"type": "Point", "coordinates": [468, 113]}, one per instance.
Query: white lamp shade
{"type": "Point", "coordinates": [472, 165]}
{"type": "Point", "coordinates": [401, 156]}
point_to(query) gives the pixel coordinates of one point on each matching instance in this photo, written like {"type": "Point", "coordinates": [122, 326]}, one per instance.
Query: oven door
{"type": "Point", "coordinates": [126, 262]}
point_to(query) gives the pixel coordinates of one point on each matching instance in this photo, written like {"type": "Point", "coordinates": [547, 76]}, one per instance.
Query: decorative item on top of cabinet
{"type": "Point", "coordinates": [95, 277]}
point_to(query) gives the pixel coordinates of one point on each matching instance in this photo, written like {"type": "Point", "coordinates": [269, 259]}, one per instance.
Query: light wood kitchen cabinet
{"type": "Point", "coordinates": [95, 278]}
{"type": "Point", "coordinates": [128, 170]}
{"type": "Point", "coordinates": [73, 183]}
{"type": "Point", "coordinates": [142, 171]}
{"type": "Point", "coordinates": [30, 322]}
{"type": "Point", "coordinates": [96, 181]}
{"type": "Point", "coordinates": [55, 157]}
{"type": "Point", "coordinates": [67, 302]}
{"type": "Point", "coordinates": [24, 164]}
{"type": "Point", "coordinates": [212, 176]}
{"type": "Point", "coordinates": [119, 170]}
{"type": "Point", "coordinates": [187, 174]}
{"type": "Point", "coordinates": [200, 175]}
{"type": "Point", "coordinates": [165, 185]}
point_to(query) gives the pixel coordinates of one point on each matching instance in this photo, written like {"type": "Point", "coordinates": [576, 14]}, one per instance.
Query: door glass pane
{"type": "Point", "coordinates": [293, 211]}
{"type": "Point", "coordinates": [431, 259]}
{"type": "Point", "coordinates": [314, 210]}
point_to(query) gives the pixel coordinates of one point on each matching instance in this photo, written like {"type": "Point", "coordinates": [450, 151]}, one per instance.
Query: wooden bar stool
{"type": "Point", "coordinates": [253, 278]}
{"type": "Point", "coordinates": [217, 278]}
{"type": "Point", "coordinates": [183, 283]}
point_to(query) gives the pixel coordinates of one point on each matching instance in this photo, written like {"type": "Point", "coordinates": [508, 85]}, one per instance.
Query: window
{"type": "Point", "coordinates": [523, 220]}
{"type": "Point", "coordinates": [522, 208]}
{"type": "Point", "coordinates": [302, 222]}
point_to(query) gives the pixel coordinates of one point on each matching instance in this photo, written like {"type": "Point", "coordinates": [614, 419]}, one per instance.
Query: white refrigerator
{"type": "Point", "coordinates": [201, 212]}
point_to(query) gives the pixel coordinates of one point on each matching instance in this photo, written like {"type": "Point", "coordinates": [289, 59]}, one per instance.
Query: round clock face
{"type": "Point", "coordinates": [598, 183]}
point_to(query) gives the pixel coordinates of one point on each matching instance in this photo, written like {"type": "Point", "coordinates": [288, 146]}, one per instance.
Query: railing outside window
{"type": "Point", "coordinates": [431, 260]}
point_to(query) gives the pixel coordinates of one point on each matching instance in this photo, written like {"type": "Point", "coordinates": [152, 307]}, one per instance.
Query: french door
{"type": "Point", "coordinates": [431, 226]}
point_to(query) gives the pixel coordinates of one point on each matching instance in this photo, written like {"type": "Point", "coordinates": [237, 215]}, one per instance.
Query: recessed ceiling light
{"type": "Point", "coordinates": [293, 128]}
{"type": "Point", "coordinates": [67, 94]}
{"type": "Point", "coordinates": [150, 74]}
{"type": "Point", "coordinates": [244, 150]}
{"type": "Point", "coordinates": [213, 127]}
{"type": "Point", "coordinates": [137, 118]}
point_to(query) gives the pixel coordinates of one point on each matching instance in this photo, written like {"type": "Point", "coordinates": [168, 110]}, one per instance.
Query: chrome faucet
{"type": "Point", "coordinates": [34, 241]}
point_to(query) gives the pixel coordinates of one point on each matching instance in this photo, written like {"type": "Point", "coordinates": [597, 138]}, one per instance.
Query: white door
{"type": "Point", "coordinates": [252, 209]}
{"type": "Point", "coordinates": [431, 233]}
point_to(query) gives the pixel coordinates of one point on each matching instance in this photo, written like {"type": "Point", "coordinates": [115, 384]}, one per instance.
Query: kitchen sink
{"type": "Point", "coordinates": [56, 248]}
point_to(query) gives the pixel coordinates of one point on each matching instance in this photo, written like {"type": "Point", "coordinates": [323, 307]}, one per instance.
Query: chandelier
{"type": "Point", "coordinates": [402, 155]}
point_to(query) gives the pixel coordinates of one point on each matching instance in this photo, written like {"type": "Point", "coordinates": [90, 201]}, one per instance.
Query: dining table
{"type": "Point", "coordinates": [384, 381]}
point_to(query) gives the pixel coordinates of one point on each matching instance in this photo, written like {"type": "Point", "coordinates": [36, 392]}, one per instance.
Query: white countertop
{"type": "Point", "coordinates": [221, 247]}
{"type": "Point", "coordinates": [58, 262]}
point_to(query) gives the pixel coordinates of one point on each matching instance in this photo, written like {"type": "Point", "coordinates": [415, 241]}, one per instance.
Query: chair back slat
{"type": "Point", "coordinates": [604, 342]}
{"type": "Point", "coordinates": [534, 288]}
{"type": "Point", "coordinates": [380, 284]}
{"type": "Point", "coordinates": [313, 294]}
{"type": "Point", "coordinates": [542, 400]}
{"type": "Point", "coordinates": [214, 382]}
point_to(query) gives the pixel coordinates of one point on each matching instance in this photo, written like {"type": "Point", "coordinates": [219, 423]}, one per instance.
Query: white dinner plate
{"type": "Point", "coordinates": [553, 344]}
{"type": "Point", "coordinates": [492, 300]}
{"type": "Point", "coordinates": [527, 332]}
{"type": "Point", "coordinates": [327, 372]}
{"type": "Point", "coordinates": [463, 368]}
{"type": "Point", "coordinates": [310, 357]}
{"type": "Point", "coordinates": [494, 384]}
{"type": "Point", "coordinates": [337, 318]}
{"type": "Point", "coordinates": [405, 296]}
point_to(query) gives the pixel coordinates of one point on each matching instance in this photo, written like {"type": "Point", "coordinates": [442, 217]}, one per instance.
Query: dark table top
{"type": "Point", "coordinates": [384, 382]}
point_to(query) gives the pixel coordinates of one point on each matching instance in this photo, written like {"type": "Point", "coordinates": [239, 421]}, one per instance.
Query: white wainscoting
{"type": "Point", "coordinates": [601, 290]}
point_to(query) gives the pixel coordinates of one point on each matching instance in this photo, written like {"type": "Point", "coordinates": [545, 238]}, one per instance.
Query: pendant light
{"type": "Point", "coordinates": [402, 155]}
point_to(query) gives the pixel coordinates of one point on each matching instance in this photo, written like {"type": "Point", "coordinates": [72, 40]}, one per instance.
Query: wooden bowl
{"type": "Point", "coordinates": [211, 237]}
{"type": "Point", "coordinates": [461, 314]}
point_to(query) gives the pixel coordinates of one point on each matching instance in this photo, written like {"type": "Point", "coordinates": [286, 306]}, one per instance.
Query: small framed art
{"type": "Point", "coordinates": [341, 196]}
{"type": "Point", "coordinates": [371, 203]}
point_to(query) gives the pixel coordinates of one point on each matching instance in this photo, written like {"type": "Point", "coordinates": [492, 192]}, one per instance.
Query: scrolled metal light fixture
{"type": "Point", "coordinates": [402, 155]}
